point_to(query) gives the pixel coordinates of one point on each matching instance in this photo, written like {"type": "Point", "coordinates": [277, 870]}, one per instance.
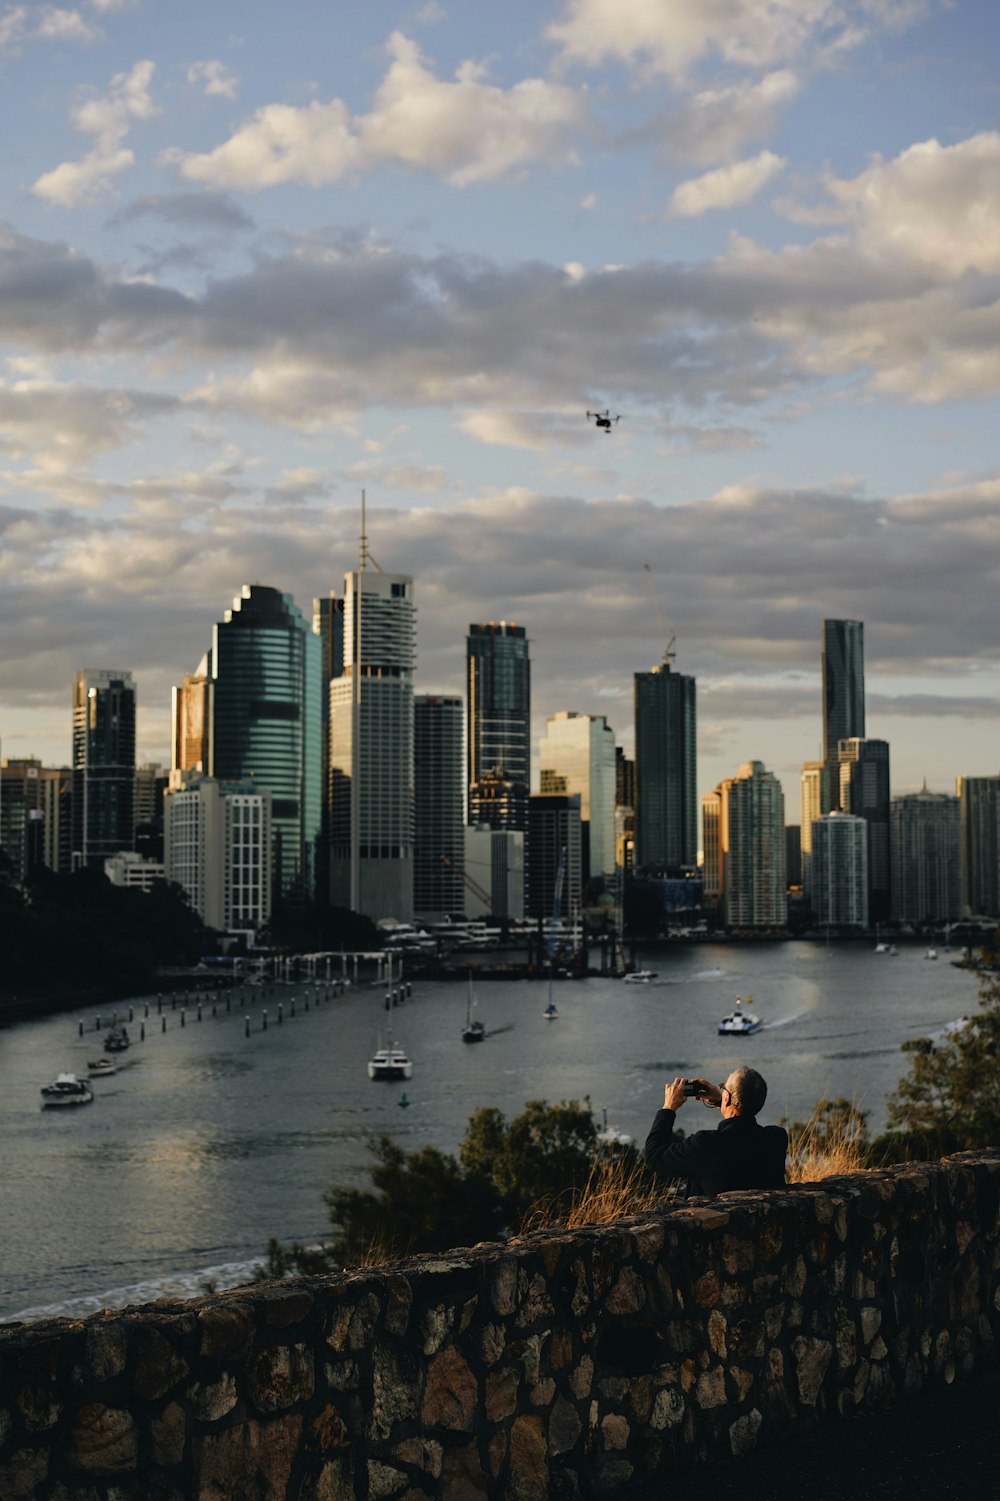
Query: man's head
{"type": "Point", "coordinates": [744, 1091]}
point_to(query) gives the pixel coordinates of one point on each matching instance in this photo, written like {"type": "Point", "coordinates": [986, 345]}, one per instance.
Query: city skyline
{"type": "Point", "coordinates": [250, 267]}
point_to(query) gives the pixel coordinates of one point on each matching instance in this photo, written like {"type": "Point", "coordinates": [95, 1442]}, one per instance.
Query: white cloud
{"type": "Point", "coordinates": [725, 187]}
{"type": "Point", "coordinates": [714, 124]}
{"type": "Point", "coordinates": [22, 24]}
{"type": "Point", "coordinates": [214, 77]}
{"type": "Point", "coordinates": [108, 118]}
{"type": "Point", "coordinates": [466, 130]}
{"type": "Point", "coordinates": [62, 426]}
{"type": "Point", "coordinates": [672, 36]}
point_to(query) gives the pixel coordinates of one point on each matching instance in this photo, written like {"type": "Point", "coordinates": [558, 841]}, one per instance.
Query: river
{"type": "Point", "coordinates": [207, 1142]}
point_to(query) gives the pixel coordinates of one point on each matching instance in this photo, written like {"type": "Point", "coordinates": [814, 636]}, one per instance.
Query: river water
{"type": "Point", "coordinates": [207, 1142]}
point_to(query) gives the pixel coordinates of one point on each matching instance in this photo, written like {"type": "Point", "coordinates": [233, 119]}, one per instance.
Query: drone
{"type": "Point", "coordinates": [604, 419]}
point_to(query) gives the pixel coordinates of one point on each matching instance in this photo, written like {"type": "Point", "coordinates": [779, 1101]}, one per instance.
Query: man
{"type": "Point", "coordinates": [737, 1154]}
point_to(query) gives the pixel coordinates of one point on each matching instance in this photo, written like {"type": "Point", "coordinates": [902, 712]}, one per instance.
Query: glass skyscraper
{"type": "Point", "coordinates": [439, 838]}
{"type": "Point", "coordinates": [666, 790]}
{"type": "Point", "coordinates": [267, 723]}
{"type": "Point", "coordinates": [843, 695]}
{"type": "Point", "coordinates": [103, 797]}
{"type": "Point", "coordinates": [498, 704]}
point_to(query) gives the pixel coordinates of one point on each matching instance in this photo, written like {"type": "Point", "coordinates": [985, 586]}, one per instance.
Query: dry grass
{"type": "Point", "coordinates": [617, 1189]}
{"type": "Point", "coordinates": [833, 1141]}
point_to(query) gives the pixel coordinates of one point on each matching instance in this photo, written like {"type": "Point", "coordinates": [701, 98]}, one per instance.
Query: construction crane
{"type": "Point", "coordinates": [668, 651]}
{"type": "Point", "coordinates": [471, 885]}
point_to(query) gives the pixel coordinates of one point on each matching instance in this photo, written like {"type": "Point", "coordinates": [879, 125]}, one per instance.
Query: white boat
{"type": "Point", "coordinates": [958, 1025]}
{"type": "Point", "coordinates": [738, 1023]}
{"type": "Point", "coordinates": [98, 1067]}
{"type": "Point", "coordinates": [882, 948]}
{"type": "Point", "coordinates": [640, 976]}
{"type": "Point", "coordinates": [610, 1136]}
{"type": "Point", "coordinates": [473, 1031]}
{"type": "Point", "coordinates": [390, 1062]}
{"type": "Point", "coordinates": [931, 954]}
{"type": "Point", "coordinates": [67, 1090]}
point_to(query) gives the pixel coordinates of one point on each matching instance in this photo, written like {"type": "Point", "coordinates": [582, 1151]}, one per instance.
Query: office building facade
{"type": "Point", "coordinates": [926, 858]}
{"type": "Point", "coordinates": [217, 848]}
{"type": "Point", "coordinates": [838, 872]}
{"type": "Point", "coordinates": [191, 723]}
{"type": "Point", "coordinates": [553, 827]}
{"type": "Point", "coordinates": [864, 792]}
{"type": "Point", "coordinates": [439, 806]}
{"type": "Point", "coordinates": [744, 849]}
{"type": "Point", "coordinates": [22, 815]}
{"type": "Point", "coordinates": [577, 754]}
{"type": "Point", "coordinates": [843, 667]}
{"type": "Point", "coordinates": [498, 705]}
{"type": "Point", "coordinates": [494, 867]}
{"type": "Point", "coordinates": [266, 724]}
{"type": "Point", "coordinates": [371, 749]}
{"type": "Point", "coordinates": [666, 782]}
{"type": "Point", "coordinates": [103, 792]}
{"type": "Point", "coordinates": [979, 813]}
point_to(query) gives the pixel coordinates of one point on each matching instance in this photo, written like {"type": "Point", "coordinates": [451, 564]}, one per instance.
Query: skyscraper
{"type": "Point", "coordinates": [838, 871]}
{"type": "Point", "coordinates": [103, 798]}
{"type": "Point", "coordinates": [553, 826]}
{"type": "Point", "coordinates": [191, 722]}
{"type": "Point", "coordinates": [371, 749]}
{"type": "Point", "coordinates": [217, 843]}
{"type": "Point", "coordinates": [266, 723]}
{"type": "Point", "coordinates": [843, 692]}
{"type": "Point", "coordinates": [745, 848]}
{"type": "Point", "coordinates": [864, 791]}
{"type": "Point", "coordinates": [979, 803]}
{"type": "Point", "coordinates": [498, 704]}
{"type": "Point", "coordinates": [666, 794]}
{"type": "Point", "coordinates": [926, 858]}
{"type": "Point", "coordinates": [439, 822]}
{"type": "Point", "coordinates": [815, 801]}
{"type": "Point", "coordinates": [577, 754]}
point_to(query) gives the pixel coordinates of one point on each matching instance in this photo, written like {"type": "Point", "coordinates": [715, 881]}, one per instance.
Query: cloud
{"type": "Point", "coordinates": [214, 78]}
{"type": "Point", "coordinates": [23, 24]}
{"type": "Point", "coordinates": [62, 426]}
{"type": "Point", "coordinates": [714, 124]}
{"type": "Point", "coordinates": [108, 119]}
{"type": "Point", "coordinates": [725, 187]}
{"type": "Point", "coordinates": [673, 36]}
{"type": "Point", "coordinates": [213, 212]}
{"type": "Point", "coordinates": [465, 131]}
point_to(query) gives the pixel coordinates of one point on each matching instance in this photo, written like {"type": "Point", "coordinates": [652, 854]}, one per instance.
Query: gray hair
{"type": "Point", "coordinates": [747, 1090]}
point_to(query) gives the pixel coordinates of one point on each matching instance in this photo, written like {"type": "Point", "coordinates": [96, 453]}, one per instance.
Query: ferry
{"type": "Point", "coordinates": [67, 1090]}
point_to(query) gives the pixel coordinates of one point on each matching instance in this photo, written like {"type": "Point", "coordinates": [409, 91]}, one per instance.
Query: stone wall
{"type": "Point", "coordinates": [566, 1364]}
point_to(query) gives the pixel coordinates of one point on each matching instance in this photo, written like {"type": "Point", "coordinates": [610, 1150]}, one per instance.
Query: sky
{"type": "Point", "coordinates": [255, 259]}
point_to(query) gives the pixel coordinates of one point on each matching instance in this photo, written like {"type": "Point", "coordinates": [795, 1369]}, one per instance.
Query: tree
{"type": "Point", "coordinates": [543, 1152]}
{"type": "Point", "coordinates": [947, 1101]}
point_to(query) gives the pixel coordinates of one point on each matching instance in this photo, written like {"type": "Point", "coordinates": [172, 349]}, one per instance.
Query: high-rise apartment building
{"type": "Point", "coordinates": [553, 827]}
{"type": "Point", "coordinates": [838, 872]}
{"type": "Point", "coordinates": [864, 791]}
{"type": "Point", "coordinates": [498, 704]}
{"type": "Point", "coordinates": [103, 796]}
{"type": "Point", "coordinates": [926, 858]}
{"type": "Point", "coordinates": [815, 797]}
{"type": "Point", "coordinates": [843, 693]}
{"type": "Point", "coordinates": [666, 791]}
{"type": "Point", "coordinates": [266, 723]}
{"type": "Point", "coordinates": [22, 815]}
{"type": "Point", "coordinates": [577, 754]}
{"type": "Point", "coordinates": [217, 848]}
{"type": "Point", "coordinates": [371, 749]}
{"type": "Point", "coordinates": [744, 849]}
{"type": "Point", "coordinates": [191, 722]}
{"type": "Point", "coordinates": [439, 806]}
{"type": "Point", "coordinates": [328, 625]}
{"type": "Point", "coordinates": [979, 808]}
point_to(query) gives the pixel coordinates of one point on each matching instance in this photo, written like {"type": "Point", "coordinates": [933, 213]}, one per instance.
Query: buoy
{"type": "Point", "coordinates": [403, 1102]}
{"type": "Point", "coordinates": [182, 1016]}
{"type": "Point", "coordinates": [163, 1024]}
{"type": "Point", "coordinates": [263, 1015]}
{"type": "Point", "coordinates": [246, 1026]}
{"type": "Point", "coordinates": [142, 1031]}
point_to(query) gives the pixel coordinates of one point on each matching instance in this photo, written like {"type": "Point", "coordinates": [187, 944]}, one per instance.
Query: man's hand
{"type": "Point", "coordinates": [709, 1094]}
{"type": "Point", "coordinates": [673, 1095]}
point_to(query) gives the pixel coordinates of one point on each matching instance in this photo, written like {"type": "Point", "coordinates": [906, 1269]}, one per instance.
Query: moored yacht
{"type": "Point", "coordinates": [98, 1067]}
{"type": "Point", "coordinates": [67, 1090]}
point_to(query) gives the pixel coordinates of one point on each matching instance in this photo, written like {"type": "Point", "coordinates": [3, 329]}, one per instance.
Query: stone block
{"type": "Point", "coordinates": [615, 1431]}
{"type": "Point", "coordinates": [102, 1440]}
{"type": "Point", "coordinates": [717, 1331]}
{"type": "Point", "coordinates": [503, 1286]}
{"type": "Point", "coordinates": [104, 1352]}
{"type": "Point", "coordinates": [423, 1454]}
{"type": "Point", "coordinates": [284, 1306]}
{"type": "Point", "coordinates": [254, 1459]}
{"type": "Point", "coordinates": [628, 1294]}
{"type": "Point", "coordinates": [462, 1475]}
{"type": "Point", "coordinates": [398, 1303]}
{"type": "Point", "coordinates": [528, 1458]}
{"type": "Point", "coordinates": [668, 1409]}
{"type": "Point", "coordinates": [535, 1303]}
{"type": "Point", "coordinates": [812, 1356]}
{"type": "Point", "coordinates": [279, 1376]}
{"type": "Point", "coordinates": [158, 1365]}
{"type": "Point", "coordinates": [363, 1322]}
{"type": "Point", "coordinates": [212, 1402]}
{"type": "Point", "coordinates": [450, 1393]}
{"type": "Point", "coordinates": [22, 1472]}
{"type": "Point", "coordinates": [335, 1482]}
{"type": "Point", "coordinates": [383, 1480]}
{"type": "Point", "coordinates": [565, 1427]}
{"type": "Point", "coordinates": [582, 1379]}
{"type": "Point", "coordinates": [38, 1406]}
{"type": "Point", "coordinates": [710, 1388]}
{"type": "Point", "coordinates": [501, 1394]}
{"type": "Point", "coordinates": [396, 1381]}
{"type": "Point", "coordinates": [167, 1434]}
{"type": "Point", "coordinates": [227, 1331]}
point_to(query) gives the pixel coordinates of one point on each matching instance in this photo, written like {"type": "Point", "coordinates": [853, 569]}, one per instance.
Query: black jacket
{"type": "Point", "coordinates": [737, 1154]}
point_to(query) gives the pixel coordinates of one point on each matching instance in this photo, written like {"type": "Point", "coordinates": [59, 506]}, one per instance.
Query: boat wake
{"type": "Point", "coordinates": [190, 1284]}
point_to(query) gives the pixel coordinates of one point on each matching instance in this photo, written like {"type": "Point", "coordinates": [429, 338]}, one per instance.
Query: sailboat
{"type": "Point", "coordinates": [473, 1031]}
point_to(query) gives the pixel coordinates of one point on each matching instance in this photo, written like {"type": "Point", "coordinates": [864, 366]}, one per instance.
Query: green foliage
{"type": "Point", "coordinates": [313, 927]}
{"type": "Point", "coordinates": [948, 1102]}
{"type": "Point", "coordinates": [430, 1201]}
{"type": "Point", "coordinates": [78, 931]}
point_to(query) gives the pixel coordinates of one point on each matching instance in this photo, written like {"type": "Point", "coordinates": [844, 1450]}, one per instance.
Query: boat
{"type": "Point", "coordinates": [390, 1061]}
{"type": "Point", "coordinates": [958, 1025]}
{"type": "Point", "coordinates": [739, 1023]}
{"type": "Point", "coordinates": [550, 1013]}
{"type": "Point", "coordinates": [98, 1067]}
{"type": "Point", "coordinates": [67, 1090]}
{"type": "Point", "coordinates": [610, 1136]}
{"type": "Point", "coordinates": [931, 954]}
{"type": "Point", "coordinates": [117, 1039]}
{"type": "Point", "coordinates": [473, 1031]}
{"type": "Point", "coordinates": [640, 976]}
{"type": "Point", "coordinates": [882, 948]}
